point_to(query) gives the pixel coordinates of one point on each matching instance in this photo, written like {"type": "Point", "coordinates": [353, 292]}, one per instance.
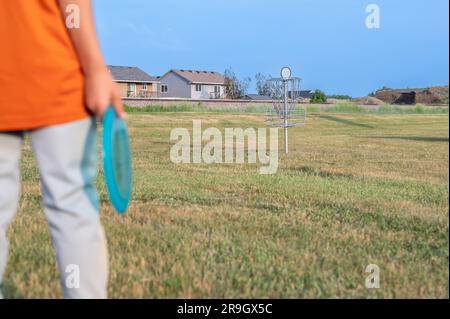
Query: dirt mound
{"type": "Point", "coordinates": [370, 100]}
{"type": "Point", "coordinates": [441, 92]}
{"type": "Point", "coordinates": [373, 101]}
{"type": "Point", "coordinates": [428, 97]}
{"type": "Point", "coordinates": [431, 96]}
{"type": "Point", "coordinates": [397, 97]}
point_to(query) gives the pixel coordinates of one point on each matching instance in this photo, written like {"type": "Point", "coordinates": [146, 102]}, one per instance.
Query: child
{"type": "Point", "coordinates": [53, 82]}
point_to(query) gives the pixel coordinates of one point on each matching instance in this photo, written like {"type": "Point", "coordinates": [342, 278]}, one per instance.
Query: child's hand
{"type": "Point", "coordinates": [101, 92]}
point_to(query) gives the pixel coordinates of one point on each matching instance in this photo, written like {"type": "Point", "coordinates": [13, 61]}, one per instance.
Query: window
{"type": "Point", "coordinates": [198, 87]}
{"type": "Point", "coordinates": [144, 87]}
{"type": "Point", "coordinates": [164, 88]}
{"type": "Point", "coordinates": [131, 89]}
{"type": "Point", "coordinates": [216, 94]}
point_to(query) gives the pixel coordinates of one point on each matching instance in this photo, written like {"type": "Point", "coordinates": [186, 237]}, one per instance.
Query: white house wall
{"type": "Point", "coordinates": [177, 86]}
{"type": "Point", "coordinates": [206, 93]}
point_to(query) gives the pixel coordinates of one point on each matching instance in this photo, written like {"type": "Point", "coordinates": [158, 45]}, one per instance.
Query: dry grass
{"type": "Point", "coordinates": [356, 189]}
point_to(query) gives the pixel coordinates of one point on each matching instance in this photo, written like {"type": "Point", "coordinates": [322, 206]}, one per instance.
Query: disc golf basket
{"type": "Point", "coordinates": [286, 110]}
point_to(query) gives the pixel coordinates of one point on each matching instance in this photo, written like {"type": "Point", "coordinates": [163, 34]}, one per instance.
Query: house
{"type": "Point", "coordinates": [303, 94]}
{"type": "Point", "coordinates": [257, 97]}
{"type": "Point", "coordinates": [133, 82]}
{"type": "Point", "coordinates": [189, 84]}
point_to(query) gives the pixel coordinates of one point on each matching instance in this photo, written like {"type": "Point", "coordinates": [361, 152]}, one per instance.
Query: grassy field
{"type": "Point", "coordinates": [357, 189]}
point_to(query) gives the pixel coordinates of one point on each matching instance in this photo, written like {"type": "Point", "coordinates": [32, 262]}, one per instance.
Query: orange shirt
{"type": "Point", "coordinates": [41, 81]}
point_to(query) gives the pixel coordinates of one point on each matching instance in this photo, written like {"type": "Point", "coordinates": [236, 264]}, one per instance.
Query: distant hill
{"type": "Point", "coordinates": [432, 96]}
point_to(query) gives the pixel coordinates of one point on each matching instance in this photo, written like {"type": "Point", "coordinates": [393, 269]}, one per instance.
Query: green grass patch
{"type": "Point", "coordinates": [199, 108]}
{"type": "Point", "coordinates": [349, 108]}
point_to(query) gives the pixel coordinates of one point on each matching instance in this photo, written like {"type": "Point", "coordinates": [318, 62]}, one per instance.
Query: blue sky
{"type": "Point", "coordinates": [325, 42]}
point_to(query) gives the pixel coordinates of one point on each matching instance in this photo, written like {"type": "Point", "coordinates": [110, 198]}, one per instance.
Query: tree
{"type": "Point", "coordinates": [263, 85]}
{"type": "Point", "coordinates": [319, 97]}
{"type": "Point", "coordinates": [235, 88]}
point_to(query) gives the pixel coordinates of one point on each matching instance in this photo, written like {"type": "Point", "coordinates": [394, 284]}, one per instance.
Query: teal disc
{"type": "Point", "coordinates": [117, 160]}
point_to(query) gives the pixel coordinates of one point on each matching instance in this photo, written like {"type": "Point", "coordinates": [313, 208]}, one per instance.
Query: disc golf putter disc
{"type": "Point", "coordinates": [117, 160]}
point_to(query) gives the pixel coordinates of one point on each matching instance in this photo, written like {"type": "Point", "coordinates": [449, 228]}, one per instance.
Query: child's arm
{"type": "Point", "coordinates": [100, 90]}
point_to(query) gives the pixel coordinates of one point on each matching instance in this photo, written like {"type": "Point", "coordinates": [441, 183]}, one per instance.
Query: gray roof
{"type": "Point", "coordinates": [257, 97]}
{"type": "Point", "coordinates": [305, 94]}
{"type": "Point", "coordinates": [130, 74]}
{"type": "Point", "coordinates": [200, 77]}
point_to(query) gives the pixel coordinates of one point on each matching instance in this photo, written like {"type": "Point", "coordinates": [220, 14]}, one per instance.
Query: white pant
{"type": "Point", "coordinates": [67, 159]}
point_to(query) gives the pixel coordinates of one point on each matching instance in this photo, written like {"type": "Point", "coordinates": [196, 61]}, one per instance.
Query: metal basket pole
{"type": "Point", "coordinates": [286, 112]}
{"type": "Point", "coordinates": [286, 124]}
